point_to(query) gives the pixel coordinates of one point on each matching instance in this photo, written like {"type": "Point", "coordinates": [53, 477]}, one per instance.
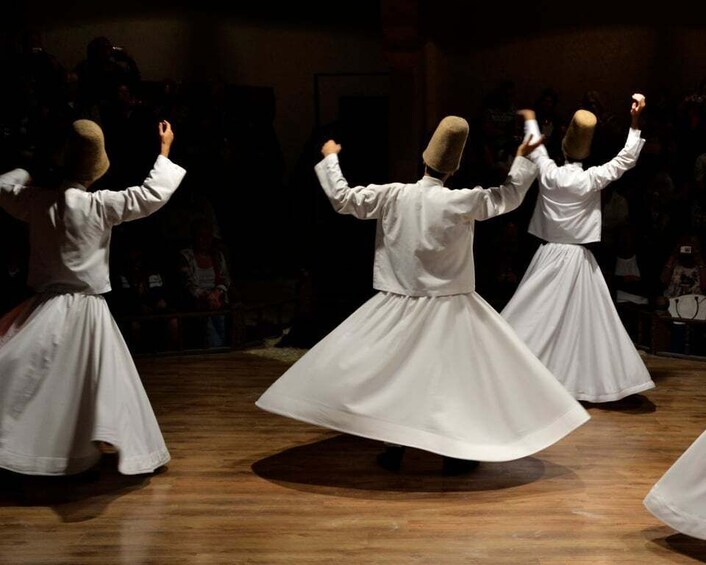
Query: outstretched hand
{"type": "Point", "coordinates": [638, 104]}
{"type": "Point", "coordinates": [166, 136]}
{"type": "Point", "coordinates": [636, 107]}
{"type": "Point", "coordinates": [165, 132]}
{"type": "Point", "coordinates": [330, 147]}
{"type": "Point", "coordinates": [527, 146]}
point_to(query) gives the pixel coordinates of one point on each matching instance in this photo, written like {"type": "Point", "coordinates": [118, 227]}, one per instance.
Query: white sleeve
{"type": "Point", "coordinates": [140, 201]}
{"type": "Point", "coordinates": [483, 203]}
{"type": "Point", "coordinates": [363, 202]}
{"type": "Point", "coordinates": [602, 175]}
{"type": "Point", "coordinates": [540, 157]}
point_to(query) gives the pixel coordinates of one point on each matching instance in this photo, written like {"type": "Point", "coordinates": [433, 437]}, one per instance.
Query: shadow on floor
{"type": "Point", "coordinates": [74, 498]}
{"type": "Point", "coordinates": [347, 463]}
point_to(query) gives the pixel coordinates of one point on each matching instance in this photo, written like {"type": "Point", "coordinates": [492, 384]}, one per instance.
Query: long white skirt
{"type": "Point", "coordinates": [562, 309]}
{"type": "Point", "coordinates": [679, 498]}
{"type": "Point", "coordinates": [67, 380]}
{"type": "Point", "coordinates": [442, 374]}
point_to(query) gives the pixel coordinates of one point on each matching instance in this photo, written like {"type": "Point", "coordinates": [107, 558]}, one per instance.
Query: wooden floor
{"type": "Point", "coordinates": [245, 486]}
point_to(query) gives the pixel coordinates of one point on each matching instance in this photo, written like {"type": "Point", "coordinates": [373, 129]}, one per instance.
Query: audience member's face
{"type": "Point", "coordinates": [687, 251]}
{"type": "Point", "coordinates": [547, 105]}
{"type": "Point", "coordinates": [686, 259]}
{"type": "Point", "coordinates": [124, 95]}
{"type": "Point", "coordinates": [100, 49]}
{"type": "Point", "coordinates": [204, 239]}
{"type": "Point", "coordinates": [592, 102]}
{"type": "Point", "coordinates": [168, 88]}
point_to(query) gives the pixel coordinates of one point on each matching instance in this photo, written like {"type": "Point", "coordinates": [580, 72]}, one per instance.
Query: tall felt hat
{"type": "Point", "coordinates": [576, 144]}
{"type": "Point", "coordinates": [85, 159]}
{"type": "Point", "coordinates": [446, 145]}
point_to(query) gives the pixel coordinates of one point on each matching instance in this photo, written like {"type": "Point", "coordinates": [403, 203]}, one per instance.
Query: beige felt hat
{"type": "Point", "coordinates": [446, 145]}
{"type": "Point", "coordinates": [577, 140]}
{"type": "Point", "coordinates": [85, 160]}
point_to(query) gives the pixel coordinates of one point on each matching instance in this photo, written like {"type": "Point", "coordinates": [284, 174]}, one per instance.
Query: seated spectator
{"type": "Point", "coordinates": [615, 212]}
{"type": "Point", "coordinates": [187, 206]}
{"type": "Point", "coordinates": [206, 280]}
{"type": "Point", "coordinates": [615, 215]}
{"type": "Point", "coordinates": [684, 279]}
{"type": "Point", "coordinates": [142, 289]}
{"type": "Point", "coordinates": [684, 271]}
{"type": "Point", "coordinates": [628, 278]}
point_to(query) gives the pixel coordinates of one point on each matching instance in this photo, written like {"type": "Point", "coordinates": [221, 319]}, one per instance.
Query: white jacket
{"type": "Point", "coordinates": [424, 239]}
{"type": "Point", "coordinates": [568, 208]}
{"type": "Point", "coordinates": [70, 228]}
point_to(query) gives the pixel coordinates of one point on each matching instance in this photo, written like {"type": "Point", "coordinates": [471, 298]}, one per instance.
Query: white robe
{"type": "Point", "coordinates": [679, 498]}
{"type": "Point", "coordinates": [427, 362]}
{"type": "Point", "coordinates": [562, 308]}
{"type": "Point", "coordinates": [67, 379]}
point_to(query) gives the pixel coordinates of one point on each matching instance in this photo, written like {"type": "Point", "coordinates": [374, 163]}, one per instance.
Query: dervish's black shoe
{"type": "Point", "coordinates": [452, 466]}
{"type": "Point", "coordinates": [391, 458]}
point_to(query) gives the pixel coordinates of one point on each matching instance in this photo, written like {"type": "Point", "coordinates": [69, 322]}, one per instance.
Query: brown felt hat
{"type": "Point", "coordinates": [85, 160]}
{"type": "Point", "coordinates": [446, 145]}
{"type": "Point", "coordinates": [576, 144]}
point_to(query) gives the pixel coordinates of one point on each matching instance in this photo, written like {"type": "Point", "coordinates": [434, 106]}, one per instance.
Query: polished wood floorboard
{"type": "Point", "coordinates": [246, 486]}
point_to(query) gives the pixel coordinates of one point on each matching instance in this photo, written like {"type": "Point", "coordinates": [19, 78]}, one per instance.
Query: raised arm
{"type": "Point", "coordinates": [166, 138]}
{"type": "Point", "coordinates": [539, 156]}
{"type": "Point", "coordinates": [602, 175]}
{"type": "Point", "coordinates": [483, 203]}
{"type": "Point", "coordinates": [140, 201]}
{"type": "Point", "coordinates": [363, 202]}
{"type": "Point", "coordinates": [637, 105]}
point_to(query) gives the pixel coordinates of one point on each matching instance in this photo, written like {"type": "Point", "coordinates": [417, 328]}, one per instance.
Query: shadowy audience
{"type": "Point", "coordinates": [206, 282]}
{"type": "Point", "coordinates": [650, 218]}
